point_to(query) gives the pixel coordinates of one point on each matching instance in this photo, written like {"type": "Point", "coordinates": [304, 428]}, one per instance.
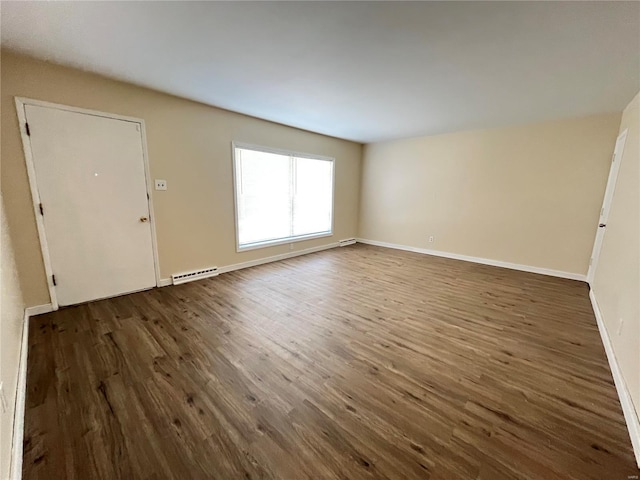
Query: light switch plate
{"type": "Point", "coordinates": [161, 184]}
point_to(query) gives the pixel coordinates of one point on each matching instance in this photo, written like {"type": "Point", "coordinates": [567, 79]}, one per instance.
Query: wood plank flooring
{"type": "Point", "coordinates": [353, 363]}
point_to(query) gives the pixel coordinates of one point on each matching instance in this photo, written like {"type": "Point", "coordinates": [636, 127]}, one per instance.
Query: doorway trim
{"type": "Point", "coordinates": [35, 196]}
{"type": "Point", "coordinates": [607, 200]}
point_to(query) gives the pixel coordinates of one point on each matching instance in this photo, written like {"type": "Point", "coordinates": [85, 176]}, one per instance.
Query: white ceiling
{"type": "Point", "coordinates": [356, 70]}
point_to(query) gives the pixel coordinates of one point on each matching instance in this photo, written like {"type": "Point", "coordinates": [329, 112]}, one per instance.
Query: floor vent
{"type": "Point", "coordinates": [347, 241]}
{"type": "Point", "coordinates": [185, 277]}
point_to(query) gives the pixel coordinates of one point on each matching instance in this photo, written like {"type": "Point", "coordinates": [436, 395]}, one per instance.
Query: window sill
{"type": "Point", "coordinates": [283, 241]}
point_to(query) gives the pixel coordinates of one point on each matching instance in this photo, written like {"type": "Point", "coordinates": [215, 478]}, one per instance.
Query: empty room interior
{"type": "Point", "coordinates": [320, 240]}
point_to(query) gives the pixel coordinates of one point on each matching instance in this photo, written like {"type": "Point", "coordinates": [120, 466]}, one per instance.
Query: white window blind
{"type": "Point", "coordinates": [281, 197]}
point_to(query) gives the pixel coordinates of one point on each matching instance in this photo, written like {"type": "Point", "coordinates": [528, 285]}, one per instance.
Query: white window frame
{"type": "Point", "coordinates": [279, 151]}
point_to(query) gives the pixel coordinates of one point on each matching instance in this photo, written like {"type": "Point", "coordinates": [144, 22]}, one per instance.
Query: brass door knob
{"type": "Point", "coordinates": [144, 219]}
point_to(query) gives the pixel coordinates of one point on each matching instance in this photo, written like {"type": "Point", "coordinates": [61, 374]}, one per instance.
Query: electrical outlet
{"type": "Point", "coordinates": [620, 326]}
{"type": "Point", "coordinates": [291, 246]}
{"type": "Point", "coordinates": [431, 239]}
{"type": "Point", "coordinates": [3, 400]}
{"type": "Point", "coordinates": [161, 184]}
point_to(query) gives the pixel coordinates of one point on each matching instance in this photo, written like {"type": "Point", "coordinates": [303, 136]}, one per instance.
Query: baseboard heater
{"type": "Point", "coordinates": [185, 277]}
{"type": "Point", "coordinates": [347, 241]}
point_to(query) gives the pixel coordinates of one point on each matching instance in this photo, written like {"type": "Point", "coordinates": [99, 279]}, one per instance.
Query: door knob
{"type": "Point", "coordinates": [144, 219]}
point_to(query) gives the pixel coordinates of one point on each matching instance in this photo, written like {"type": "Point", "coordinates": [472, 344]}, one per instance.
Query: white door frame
{"type": "Point", "coordinates": [616, 161]}
{"type": "Point", "coordinates": [35, 196]}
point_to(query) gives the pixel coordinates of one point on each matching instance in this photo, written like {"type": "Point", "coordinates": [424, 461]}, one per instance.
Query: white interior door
{"type": "Point", "coordinates": [606, 204]}
{"type": "Point", "coordinates": [90, 176]}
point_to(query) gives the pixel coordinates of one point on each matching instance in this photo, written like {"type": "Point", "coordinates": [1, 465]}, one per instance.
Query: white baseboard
{"type": "Point", "coordinates": [38, 310]}
{"type": "Point", "coordinates": [262, 261]}
{"type": "Point", "coordinates": [21, 397]}
{"type": "Point", "coordinates": [275, 258]}
{"type": "Point", "coordinates": [630, 414]}
{"type": "Point", "coordinates": [483, 261]}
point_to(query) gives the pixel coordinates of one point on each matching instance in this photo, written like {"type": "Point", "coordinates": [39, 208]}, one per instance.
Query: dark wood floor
{"type": "Point", "coordinates": [354, 363]}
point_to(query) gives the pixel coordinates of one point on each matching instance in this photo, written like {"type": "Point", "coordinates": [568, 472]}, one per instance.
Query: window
{"type": "Point", "coordinates": [281, 196]}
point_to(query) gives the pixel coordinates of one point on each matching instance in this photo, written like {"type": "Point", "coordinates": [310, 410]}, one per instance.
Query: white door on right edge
{"type": "Point", "coordinates": [606, 204]}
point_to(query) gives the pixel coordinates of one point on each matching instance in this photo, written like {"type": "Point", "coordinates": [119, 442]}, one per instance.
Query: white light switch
{"type": "Point", "coordinates": [161, 184]}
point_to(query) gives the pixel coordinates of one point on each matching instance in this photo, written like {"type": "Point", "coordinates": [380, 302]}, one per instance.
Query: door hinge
{"type": "Point", "coordinates": [41, 209]}
{"type": "Point", "coordinates": [53, 279]}
{"type": "Point", "coordinates": [26, 126]}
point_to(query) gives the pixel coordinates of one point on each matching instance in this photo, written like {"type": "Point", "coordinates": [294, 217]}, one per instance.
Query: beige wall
{"type": "Point", "coordinates": [616, 283]}
{"type": "Point", "coordinates": [528, 194]}
{"type": "Point", "coordinates": [11, 322]}
{"type": "Point", "coordinates": [189, 146]}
